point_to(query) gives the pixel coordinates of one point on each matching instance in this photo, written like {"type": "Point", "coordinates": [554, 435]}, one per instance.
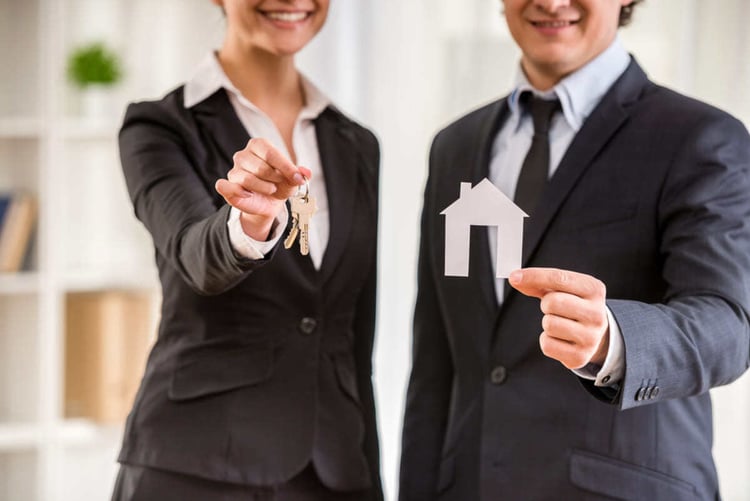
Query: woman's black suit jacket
{"type": "Point", "coordinates": [260, 366]}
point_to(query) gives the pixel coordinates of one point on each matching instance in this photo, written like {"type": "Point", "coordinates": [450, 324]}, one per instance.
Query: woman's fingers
{"type": "Point", "coordinates": [274, 159]}
{"type": "Point", "coordinates": [251, 182]}
{"type": "Point", "coordinates": [247, 201]}
{"type": "Point", "coordinates": [261, 168]}
{"type": "Point", "coordinates": [261, 178]}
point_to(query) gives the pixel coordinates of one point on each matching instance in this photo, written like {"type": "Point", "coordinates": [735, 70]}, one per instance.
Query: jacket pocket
{"type": "Point", "coordinates": [627, 481]}
{"type": "Point", "coordinates": [219, 370]}
{"type": "Point", "coordinates": [601, 219]}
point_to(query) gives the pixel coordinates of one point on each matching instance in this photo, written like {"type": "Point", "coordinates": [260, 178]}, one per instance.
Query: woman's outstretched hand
{"type": "Point", "coordinates": [260, 181]}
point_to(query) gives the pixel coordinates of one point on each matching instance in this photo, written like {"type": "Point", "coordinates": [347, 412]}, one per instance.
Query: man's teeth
{"type": "Point", "coordinates": [287, 17]}
{"type": "Point", "coordinates": [553, 24]}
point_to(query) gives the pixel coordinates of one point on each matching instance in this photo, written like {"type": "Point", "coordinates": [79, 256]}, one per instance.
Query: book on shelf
{"type": "Point", "coordinates": [107, 338]}
{"type": "Point", "coordinates": [18, 214]}
{"type": "Point", "coordinates": [4, 204]}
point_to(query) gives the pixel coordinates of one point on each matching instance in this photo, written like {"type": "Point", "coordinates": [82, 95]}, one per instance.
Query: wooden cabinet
{"type": "Point", "coordinates": [107, 338]}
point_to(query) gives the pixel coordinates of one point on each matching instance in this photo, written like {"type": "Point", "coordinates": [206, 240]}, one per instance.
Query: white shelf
{"type": "Point", "coordinates": [16, 436]}
{"type": "Point", "coordinates": [19, 283]}
{"type": "Point", "coordinates": [88, 128]}
{"type": "Point", "coordinates": [93, 281]}
{"type": "Point", "coordinates": [81, 432]}
{"type": "Point", "coordinates": [68, 433]}
{"type": "Point", "coordinates": [29, 283]}
{"type": "Point", "coordinates": [20, 128]}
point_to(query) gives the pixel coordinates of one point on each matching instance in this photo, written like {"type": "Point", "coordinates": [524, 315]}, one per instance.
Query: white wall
{"type": "Point", "coordinates": [406, 67]}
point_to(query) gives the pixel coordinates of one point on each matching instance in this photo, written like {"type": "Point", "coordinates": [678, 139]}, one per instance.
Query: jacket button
{"type": "Point", "coordinates": [498, 375]}
{"type": "Point", "coordinates": [641, 393]}
{"type": "Point", "coordinates": [654, 392]}
{"type": "Point", "coordinates": [307, 325]}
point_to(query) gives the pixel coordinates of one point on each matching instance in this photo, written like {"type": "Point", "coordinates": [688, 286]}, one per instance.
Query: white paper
{"type": "Point", "coordinates": [483, 205]}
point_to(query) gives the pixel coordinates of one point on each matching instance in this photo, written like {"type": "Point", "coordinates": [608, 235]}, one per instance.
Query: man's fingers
{"type": "Point", "coordinates": [563, 351]}
{"type": "Point", "coordinates": [585, 337]}
{"type": "Point", "coordinates": [575, 316]}
{"type": "Point", "coordinates": [518, 280]}
{"type": "Point", "coordinates": [264, 150]}
{"type": "Point", "coordinates": [537, 282]}
{"type": "Point", "coordinates": [582, 310]}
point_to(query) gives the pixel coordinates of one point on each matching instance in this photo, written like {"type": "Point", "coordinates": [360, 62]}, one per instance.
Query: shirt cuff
{"type": "Point", "coordinates": [248, 247]}
{"type": "Point", "coordinates": [611, 372]}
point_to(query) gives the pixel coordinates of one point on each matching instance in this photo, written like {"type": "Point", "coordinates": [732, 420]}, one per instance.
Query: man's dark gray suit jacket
{"type": "Point", "coordinates": [260, 366]}
{"type": "Point", "coordinates": [651, 197]}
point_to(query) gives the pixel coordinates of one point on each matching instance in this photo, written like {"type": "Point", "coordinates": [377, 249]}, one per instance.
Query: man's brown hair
{"type": "Point", "coordinates": [626, 13]}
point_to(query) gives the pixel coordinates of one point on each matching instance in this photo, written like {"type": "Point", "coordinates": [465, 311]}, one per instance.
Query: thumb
{"type": "Point", "coordinates": [515, 279]}
{"type": "Point", "coordinates": [305, 172]}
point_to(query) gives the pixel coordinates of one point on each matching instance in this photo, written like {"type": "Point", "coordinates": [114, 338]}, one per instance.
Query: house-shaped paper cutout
{"type": "Point", "coordinates": [483, 205]}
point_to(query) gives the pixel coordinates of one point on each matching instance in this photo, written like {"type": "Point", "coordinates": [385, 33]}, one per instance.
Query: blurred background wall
{"type": "Point", "coordinates": [403, 67]}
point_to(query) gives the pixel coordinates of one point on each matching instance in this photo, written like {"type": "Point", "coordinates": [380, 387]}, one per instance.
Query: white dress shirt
{"type": "Point", "coordinates": [210, 77]}
{"type": "Point", "coordinates": [579, 93]}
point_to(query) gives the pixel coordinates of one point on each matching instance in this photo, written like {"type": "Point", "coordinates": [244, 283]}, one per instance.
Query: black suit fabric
{"type": "Point", "coordinates": [260, 366]}
{"type": "Point", "coordinates": [651, 197]}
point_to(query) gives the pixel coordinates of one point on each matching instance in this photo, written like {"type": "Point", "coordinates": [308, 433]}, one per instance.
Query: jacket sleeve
{"type": "Point", "coordinates": [161, 164]}
{"type": "Point", "coordinates": [429, 389]}
{"type": "Point", "coordinates": [699, 336]}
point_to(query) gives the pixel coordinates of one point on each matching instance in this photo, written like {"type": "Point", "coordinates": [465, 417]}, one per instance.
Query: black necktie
{"type": "Point", "coordinates": [535, 167]}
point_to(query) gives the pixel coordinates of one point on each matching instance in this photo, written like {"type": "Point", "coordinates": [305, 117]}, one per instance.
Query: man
{"type": "Point", "coordinates": [636, 262]}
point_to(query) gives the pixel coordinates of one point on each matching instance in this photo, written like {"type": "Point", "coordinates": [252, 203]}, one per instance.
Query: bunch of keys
{"type": "Point", "coordinates": [303, 207]}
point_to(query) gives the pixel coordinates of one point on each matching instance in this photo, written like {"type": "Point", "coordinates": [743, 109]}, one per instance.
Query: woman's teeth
{"type": "Point", "coordinates": [287, 17]}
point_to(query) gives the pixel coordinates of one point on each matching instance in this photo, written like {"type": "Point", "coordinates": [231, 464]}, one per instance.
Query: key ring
{"type": "Point", "coordinates": [299, 193]}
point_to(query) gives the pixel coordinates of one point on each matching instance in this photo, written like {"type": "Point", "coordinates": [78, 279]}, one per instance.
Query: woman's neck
{"type": "Point", "coordinates": [270, 82]}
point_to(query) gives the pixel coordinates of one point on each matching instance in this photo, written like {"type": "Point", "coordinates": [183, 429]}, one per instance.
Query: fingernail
{"type": "Point", "coordinates": [298, 178]}
{"type": "Point", "coordinates": [515, 277]}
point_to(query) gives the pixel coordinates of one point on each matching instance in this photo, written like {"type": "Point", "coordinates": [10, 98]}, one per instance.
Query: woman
{"type": "Point", "coordinates": [259, 384]}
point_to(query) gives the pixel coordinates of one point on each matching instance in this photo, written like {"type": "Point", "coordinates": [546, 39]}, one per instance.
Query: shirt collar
{"type": "Point", "coordinates": [581, 91]}
{"type": "Point", "coordinates": [209, 77]}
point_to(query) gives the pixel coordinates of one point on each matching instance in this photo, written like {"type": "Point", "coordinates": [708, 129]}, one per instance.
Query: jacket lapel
{"type": "Point", "coordinates": [480, 289]}
{"type": "Point", "coordinates": [473, 300]}
{"type": "Point", "coordinates": [338, 153]}
{"type": "Point", "coordinates": [479, 254]}
{"type": "Point", "coordinates": [341, 161]}
{"type": "Point", "coordinates": [221, 125]}
{"type": "Point", "coordinates": [599, 127]}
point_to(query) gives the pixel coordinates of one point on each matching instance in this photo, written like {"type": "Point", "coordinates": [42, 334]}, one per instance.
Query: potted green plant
{"type": "Point", "coordinates": [94, 69]}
